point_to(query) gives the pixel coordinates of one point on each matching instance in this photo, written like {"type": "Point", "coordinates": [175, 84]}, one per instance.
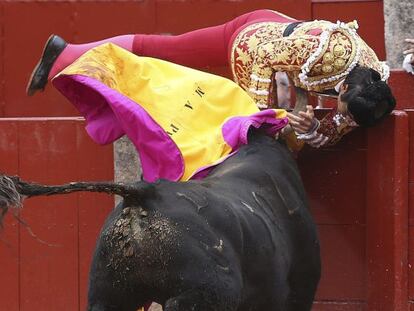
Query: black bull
{"type": "Point", "coordinates": [240, 239]}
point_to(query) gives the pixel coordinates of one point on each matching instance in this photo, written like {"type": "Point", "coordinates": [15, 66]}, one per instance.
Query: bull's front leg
{"type": "Point", "coordinates": [201, 300]}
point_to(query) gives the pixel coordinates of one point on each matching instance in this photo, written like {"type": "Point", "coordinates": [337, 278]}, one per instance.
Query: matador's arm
{"type": "Point", "coordinates": [329, 130]}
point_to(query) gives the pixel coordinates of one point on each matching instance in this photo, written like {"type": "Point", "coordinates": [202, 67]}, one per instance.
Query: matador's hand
{"type": "Point", "coordinates": [305, 122]}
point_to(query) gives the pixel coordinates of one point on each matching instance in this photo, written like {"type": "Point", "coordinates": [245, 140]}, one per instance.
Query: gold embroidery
{"type": "Point", "coordinates": [328, 58]}
{"type": "Point", "coordinates": [338, 43]}
{"type": "Point", "coordinates": [283, 54]}
{"type": "Point", "coordinates": [339, 63]}
{"type": "Point", "coordinates": [245, 45]}
{"type": "Point", "coordinates": [260, 49]}
{"type": "Point", "coordinates": [339, 50]}
{"type": "Point", "coordinates": [369, 58]}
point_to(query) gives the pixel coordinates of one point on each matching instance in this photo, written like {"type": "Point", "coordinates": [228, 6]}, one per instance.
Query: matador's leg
{"type": "Point", "coordinates": [58, 54]}
{"type": "Point", "coordinates": [199, 48]}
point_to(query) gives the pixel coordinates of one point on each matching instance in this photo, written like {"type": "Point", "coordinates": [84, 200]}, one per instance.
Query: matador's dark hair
{"type": "Point", "coordinates": [369, 99]}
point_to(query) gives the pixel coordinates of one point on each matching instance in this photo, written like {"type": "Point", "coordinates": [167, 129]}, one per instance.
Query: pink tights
{"type": "Point", "coordinates": [197, 49]}
{"type": "Point", "coordinates": [73, 51]}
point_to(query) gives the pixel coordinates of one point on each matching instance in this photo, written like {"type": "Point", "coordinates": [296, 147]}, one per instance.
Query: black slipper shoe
{"type": "Point", "coordinates": [38, 80]}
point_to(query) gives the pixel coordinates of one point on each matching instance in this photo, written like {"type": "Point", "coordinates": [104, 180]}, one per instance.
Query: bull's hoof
{"type": "Point", "coordinates": [39, 77]}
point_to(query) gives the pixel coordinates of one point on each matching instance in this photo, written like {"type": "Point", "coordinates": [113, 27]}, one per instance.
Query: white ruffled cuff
{"type": "Point", "coordinates": [407, 64]}
{"type": "Point", "coordinates": [311, 134]}
{"type": "Point", "coordinates": [313, 138]}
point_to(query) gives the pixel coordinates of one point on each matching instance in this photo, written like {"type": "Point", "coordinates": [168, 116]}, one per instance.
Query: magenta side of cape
{"type": "Point", "coordinates": [235, 133]}
{"type": "Point", "coordinates": [109, 115]}
{"type": "Point", "coordinates": [235, 129]}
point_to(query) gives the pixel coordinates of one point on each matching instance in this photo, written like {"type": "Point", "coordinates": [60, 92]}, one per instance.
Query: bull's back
{"type": "Point", "coordinates": [261, 185]}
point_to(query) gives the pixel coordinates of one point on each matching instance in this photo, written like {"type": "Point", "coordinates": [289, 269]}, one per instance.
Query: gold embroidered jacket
{"type": "Point", "coordinates": [317, 55]}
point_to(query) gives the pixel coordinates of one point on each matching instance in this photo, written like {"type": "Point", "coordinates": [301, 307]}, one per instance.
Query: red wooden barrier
{"type": "Point", "coordinates": [387, 215]}
{"type": "Point", "coordinates": [341, 219]}
{"type": "Point", "coordinates": [51, 274]}
{"type": "Point", "coordinates": [401, 84]}
{"type": "Point", "coordinates": [411, 212]}
{"type": "Point", "coordinates": [359, 197]}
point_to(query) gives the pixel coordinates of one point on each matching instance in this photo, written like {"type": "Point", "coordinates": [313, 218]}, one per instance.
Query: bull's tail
{"type": "Point", "coordinates": [13, 190]}
{"type": "Point", "coordinates": [9, 195]}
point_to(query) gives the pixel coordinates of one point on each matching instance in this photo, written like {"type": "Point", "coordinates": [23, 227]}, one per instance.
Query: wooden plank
{"type": "Point", "coordinates": [126, 17]}
{"type": "Point", "coordinates": [387, 213]}
{"type": "Point", "coordinates": [410, 113]}
{"type": "Point", "coordinates": [401, 83]}
{"type": "Point", "coordinates": [411, 263]}
{"type": "Point", "coordinates": [21, 36]}
{"type": "Point", "coordinates": [411, 203]}
{"type": "Point", "coordinates": [2, 80]}
{"type": "Point", "coordinates": [94, 162]}
{"type": "Point", "coordinates": [326, 179]}
{"type": "Point", "coordinates": [93, 210]}
{"type": "Point", "coordinates": [49, 272]}
{"type": "Point", "coordinates": [343, 263]}
{"type": "Point", "coordinates": [9, 235]}
{"type": "Point", "coordinates": [52, 263]}
{"type": "Point", "coordinates": [56, 151]}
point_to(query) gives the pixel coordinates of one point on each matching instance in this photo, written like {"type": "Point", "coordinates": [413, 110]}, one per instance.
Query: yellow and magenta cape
{"type": "Point", "coordinates": [182, 121]}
